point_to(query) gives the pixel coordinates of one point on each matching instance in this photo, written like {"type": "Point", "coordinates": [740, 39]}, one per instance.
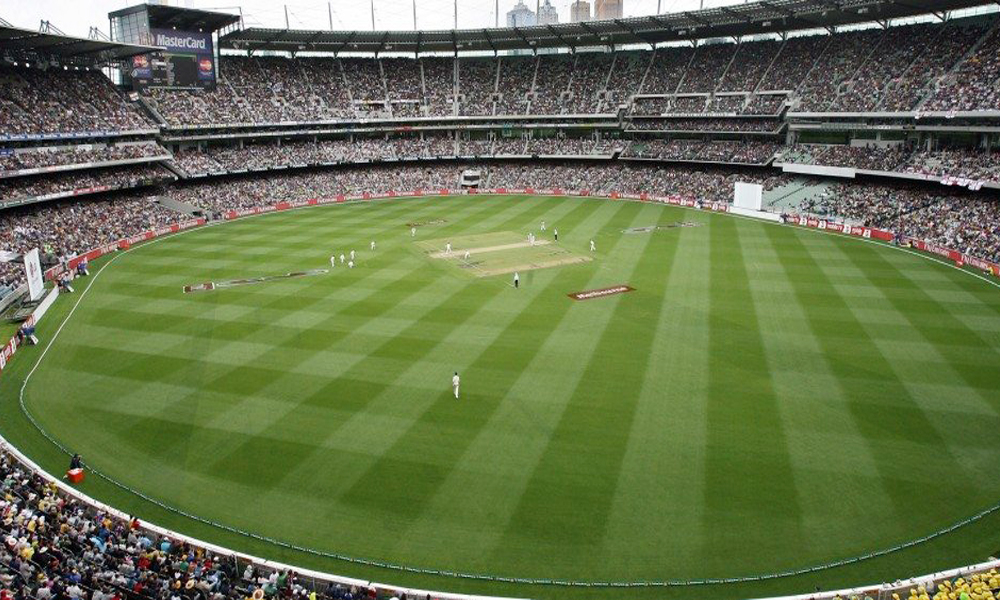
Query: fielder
{"type": "Point", "coordinates": [342, 258]}
{"type": "Point", "coordinates": [454, 384]}
{"type": "Point", "coordinates": [413, 232]}
{"type": "Point", "coordinates": [593, 248]}
{"type": "Point", "coordinates": [352, 255]}
{"type": "Point", "coordinates": [350, 264]}
{"type": "Point", "coordinates": [373, 245]}
{"type": "Point", "coordinates": [517, 280]}
{"type": "Point", "coordinates": [447, 248]}
{"type": "Point", "coordinates": [467, 255]}
{"type": "Point", "coordinates": [543, 225]}
{"type": "Point", "coordinates": [555, 232]}
{"type": "Point", "coordinates": [333, 260]}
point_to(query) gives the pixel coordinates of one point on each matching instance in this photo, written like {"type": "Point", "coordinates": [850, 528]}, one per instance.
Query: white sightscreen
{"type": "Point", "coordinates": [748, 195]}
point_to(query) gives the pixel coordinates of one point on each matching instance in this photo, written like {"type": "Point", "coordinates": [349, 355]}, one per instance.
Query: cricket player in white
{"type": "Point", "coordinates": [413, 232]}
{"type": "Point", "coordinates": [333, 260]}
{"type": "Point", "coordinates": [447, 248]}
{"type": "Point", "coordinates": [352, 254]}
{"type": "Point", "coordinates": [342, 259]}
{"type": "Point", "coordinates": [593, 248]}
{"type": "Point", "coordinates": [454, 383]}
{"type": "Point", "coordinates": [350, 264]}
{"type": "Point", "coordinates": [373, 245]}
{"type": "Point", "coordinates": [543, 225]}
{"type": "Point", "coordinates": [467, 255]}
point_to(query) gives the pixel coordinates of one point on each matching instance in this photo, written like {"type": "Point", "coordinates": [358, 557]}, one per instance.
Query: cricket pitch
{"type": "Point", "coordinates": [500, 253]}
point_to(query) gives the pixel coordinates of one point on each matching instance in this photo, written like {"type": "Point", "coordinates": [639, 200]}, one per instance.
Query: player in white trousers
{"type": "Point", "coordinates": [593, 248]}
{"type": "Point", "coordinates": [373, 245]}
{"type": "Point", "coordinates": [333, 260]}
{"type": "Point", "coordinates": [447, 248]}
{"type": "Point", "coordinates": [413, 232]}
{"type": "Point", "coordinates": [352, 255]}
{"type": "Point", "coordinates": [342, 259]}
{"type": "Point", "coordinates": [454, 384]}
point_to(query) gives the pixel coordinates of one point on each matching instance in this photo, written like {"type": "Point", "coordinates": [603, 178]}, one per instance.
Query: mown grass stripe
{"type": "Point", "coordinates": [856, 364]}
{"type": "Point", "coordinates": [741, 400]}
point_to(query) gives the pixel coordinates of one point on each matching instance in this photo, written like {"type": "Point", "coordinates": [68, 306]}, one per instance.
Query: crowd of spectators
{"type": "Point", "coordinates": [707, 125]}
{"type": "Point", "coordinates": [900, 68]}
{"type": "Point", "coordinates": [973, 85]}
{"type": "Point", "coordinates": [45, 101]}
{"type": "Point", "coordinates": [719, 104]}
{"type": "Point", "coordinates": [893, 69]}
{"type": "Point", "coordinates": [973, 165]}
{"type": "Point", "coordinates": [67, 228]}
{"type": "Point", "coordinates": [55, 547]}
{"type": "Point", "coordinates": [977, 586]}
{"type": "Point", "coordinates": [953, 218]}
{"type": "Point", "coordinates": [757, 153]}
{"type": "Point", "coordinates": [76, 182]}
{"type": "Point", "coordinates": [273, 154]}
{"type": "Point", "coordinates": [37, 158]}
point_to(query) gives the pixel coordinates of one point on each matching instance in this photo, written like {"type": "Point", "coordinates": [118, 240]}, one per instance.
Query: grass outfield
{"type": "Point", "coordinates": [768, 398]}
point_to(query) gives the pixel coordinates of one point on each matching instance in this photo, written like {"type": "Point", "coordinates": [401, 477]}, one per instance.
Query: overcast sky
{"type": "Point", "coordinates": [75, 17]}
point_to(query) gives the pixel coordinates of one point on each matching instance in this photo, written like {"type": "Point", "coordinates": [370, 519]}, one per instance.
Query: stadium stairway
{"type": "Point", "coordinates": [184, 208]}
{"type": "Point", "coordinates": [787, 198]}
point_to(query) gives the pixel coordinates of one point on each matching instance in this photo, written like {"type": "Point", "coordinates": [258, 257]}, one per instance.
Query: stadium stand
{"type": "Point", "coordinates": [636, 115]}
{"type": "Point", "coordinates": [48, 101]}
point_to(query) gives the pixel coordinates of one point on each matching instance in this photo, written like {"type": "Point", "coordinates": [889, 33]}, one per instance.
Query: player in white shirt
{"type": "Point", "coordinates": [517, 280]}
{"type": "Point", "coordinates": [333, 260]}
{"type": "Point", "coordinates": [342, 259]}
{"type": "Point", "coordinates": [543, 225]}
{"type": "Point", "coordinates": [593, 248]}
{"type": "Point", "coordinates": [413, 232]}
{"type": "Point", "coordinates": [467, 255]}
{"type": "Point", "coordinates": [447, 248]}
{"type": "Point", "coordinates": [555, 233]}
{"type": "Point", "coordinates": [373, 245]}
{"type": "Point", "coordinates": [350, 264]}
{"type": "Point", "coordinates": [352, 254]}
{"type": "Point", "coordinates": [454, 383]}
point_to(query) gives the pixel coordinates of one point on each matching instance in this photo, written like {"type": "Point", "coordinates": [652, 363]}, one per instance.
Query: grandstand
{"type": "Point", "coordinates": [875, 119]}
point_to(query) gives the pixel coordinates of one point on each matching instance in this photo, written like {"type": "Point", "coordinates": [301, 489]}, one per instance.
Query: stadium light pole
{"type": "Point", "coordinates": [456, 14]}
{"type": "Point", "coordinates": [286, 17]}
{"type": "Point", "coordinates": [414, 15]}
{"type": "Point", "coordinates": [496, 15]}
{"type": "Point", "coordinates": [373, 15]}
{"type": "Point", "coordinates": [329, 14]}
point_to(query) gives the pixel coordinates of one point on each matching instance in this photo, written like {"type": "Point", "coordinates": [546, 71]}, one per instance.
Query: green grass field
{"type": "Point", "coordinates": [768, 398]}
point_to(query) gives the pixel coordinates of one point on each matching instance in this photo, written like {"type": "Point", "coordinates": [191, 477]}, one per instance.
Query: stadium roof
{"type": "Point", "coordinates": [184, 19]}
{"type": "Point", "coordinates": [764, 16]}
{"type": "Point", "coordinates": [16, 39]}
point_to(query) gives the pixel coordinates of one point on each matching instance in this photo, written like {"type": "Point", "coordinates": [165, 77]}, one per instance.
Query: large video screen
{"type": "Point", "coordinates": [188, 61]}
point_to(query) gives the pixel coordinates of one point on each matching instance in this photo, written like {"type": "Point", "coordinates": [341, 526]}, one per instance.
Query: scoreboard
{"type": "Point", "coordinates": [188, 61]}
